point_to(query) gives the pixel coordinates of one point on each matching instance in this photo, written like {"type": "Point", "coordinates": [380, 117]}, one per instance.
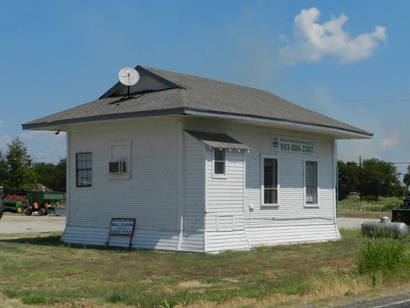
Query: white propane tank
{"type": "Point", "coordinates": [385, 227]}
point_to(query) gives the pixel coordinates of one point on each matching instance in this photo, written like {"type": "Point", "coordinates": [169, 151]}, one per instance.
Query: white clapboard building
{"type": "Point", "coordinates": [202, 165]}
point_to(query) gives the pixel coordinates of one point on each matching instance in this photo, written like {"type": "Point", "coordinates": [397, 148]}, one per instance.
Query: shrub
{"type": "Point", "coordinates": [115, 298]}
{"type": "Point", "coordinates": [10, 293]}
{"type": "Point", "coordinates": [381, 255]}
{"type": "Point", "coordinates": [34, 299]}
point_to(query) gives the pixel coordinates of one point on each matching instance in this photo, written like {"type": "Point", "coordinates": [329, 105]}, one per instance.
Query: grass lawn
{"type": "Point", "coordinates": [362, 214]}
{"type": "Point", "coordinates": [367, 208]}
{"type": "Point", "coordinates": [39, 269]}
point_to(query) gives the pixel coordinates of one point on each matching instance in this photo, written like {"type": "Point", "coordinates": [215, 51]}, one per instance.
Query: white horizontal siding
{"type": "Point", "coordinates": [193, 241]}
{"type": "Point", "coordinates": [194, 195]}
{"type": "Point", "coordinates": [147, 239]}
{"type": "Point", "coordinates": [217, 241]}
{"type": "Point", "coordinates": [194, 191]}
{"type": "Point", "coordinates": [149, 195]}
{"type": "Point", "coordinates": [272, 222]}
{"type": "Point", "coordinates": [224, 217]}
{"type": "Point", "coordinates": [291, 168]}
{"type": "Point", "coordinates": [225, 194]}
{"type": "Point", "coordinates": [291, 221]}
{"type": "Point", "coordinates": [287, 234]}
{"type": "Point", "coordinates": [226, 240]}
{"type": "Point", "coordinates": [224, 221]}
{"type": "Point", "coordinates": [219, 206]}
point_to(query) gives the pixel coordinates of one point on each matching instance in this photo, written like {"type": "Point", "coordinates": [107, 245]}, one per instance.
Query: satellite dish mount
{"type": "Point", "coordinates": [128, 76]}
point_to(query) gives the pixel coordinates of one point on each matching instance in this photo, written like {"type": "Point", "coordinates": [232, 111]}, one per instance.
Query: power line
{"type": "Point", "coordinates": [400, 163]}
{"type": "Point", "coordinates": [380, 102]}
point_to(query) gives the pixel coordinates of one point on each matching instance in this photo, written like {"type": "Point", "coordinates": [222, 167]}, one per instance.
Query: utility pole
{"type": "Point", "coordinates": [360, 178]}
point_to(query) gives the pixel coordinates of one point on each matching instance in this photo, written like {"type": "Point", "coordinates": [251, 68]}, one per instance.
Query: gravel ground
{"type": "Point", "coordinates": [352, 223]}
{"type": "Point", "coordinates": [17, 223]}
{"type": "Point", "coordinates": [396, 301]}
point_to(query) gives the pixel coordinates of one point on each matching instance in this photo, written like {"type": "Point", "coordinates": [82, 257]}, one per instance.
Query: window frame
{"type": "Point", "coordinates": [77, 184]}
{"type": "Point", "coordinates": [311, 205]}
{"type": "Point", "coordinates": [219, 175]}
{"type": "Point", "coordinates": [262, 181]}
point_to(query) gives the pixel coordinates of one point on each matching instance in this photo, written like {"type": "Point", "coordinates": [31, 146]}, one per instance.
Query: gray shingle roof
{"type": "Point", "coordinates": [176, 93]}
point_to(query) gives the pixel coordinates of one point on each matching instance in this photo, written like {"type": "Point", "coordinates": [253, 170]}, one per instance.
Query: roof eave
{"type": "Point", "coordinates": [336, 132]}
{"type": "Point", "coordinates": [53, 125]}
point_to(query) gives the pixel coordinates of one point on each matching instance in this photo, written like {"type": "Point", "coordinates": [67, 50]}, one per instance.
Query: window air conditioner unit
{"type": "Point", "coordinates": [117, 167]}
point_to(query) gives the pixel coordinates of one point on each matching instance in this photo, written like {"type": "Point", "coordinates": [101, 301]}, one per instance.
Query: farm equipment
{"type": "Point", "coordinates": [402, 213]}
{"type": "Point", "coordinates": [42, 203]}
{"type": "Point", "coordinates": [13, 203]}
{"type": "Point", "coordinates": [36, 203]}
{"type": "Point", "coordinates": [13, 206]}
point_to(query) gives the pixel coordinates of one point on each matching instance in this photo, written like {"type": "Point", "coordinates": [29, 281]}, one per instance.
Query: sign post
{"type": "Point", "coordinates": [122, 227]}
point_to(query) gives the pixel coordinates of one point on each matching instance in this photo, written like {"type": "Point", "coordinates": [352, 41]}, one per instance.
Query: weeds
{"type": "Point", "coordinates": [384, 204]}
{"type": "Point", "coordinates": [115, 298]}
{"type": "Point", "coordinates": [382, 255]}
{"type": "Point", "coordinates": [37, 299]}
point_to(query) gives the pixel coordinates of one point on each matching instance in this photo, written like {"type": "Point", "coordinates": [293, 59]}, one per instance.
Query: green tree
{"type": "Point", "coordinates": [44, 174]}
{"type": "Point", "coordinates": [406, 177]}
{"type": "Point", "coordinates": [3, 170]}
{"type": "Point", "coordinates": [378, 178]}
{"type": "Point", "coordinates": [20, 174]}
{"type": "Point", "coordinates": [399, 190]}
{"type": "Point", "coordinates": [348, 178]}
{"type": "Point", "coordinates": [50, 175]}
{"type": "Point", "coordinates": [60, 176]}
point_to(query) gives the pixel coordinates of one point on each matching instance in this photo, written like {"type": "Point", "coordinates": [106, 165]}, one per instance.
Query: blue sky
{"type": "Point", "coordinates": [346, 59]}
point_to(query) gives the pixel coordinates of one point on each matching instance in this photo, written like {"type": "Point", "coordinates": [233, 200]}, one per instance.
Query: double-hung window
{"type": "Point", "coordinates": [219, 162]}
{"type": "Point", "coordinates": [270, 181]}
{"type": "Point", "coordinates": [83, 168]}
{"type": "Point", "coordinates": [311, 183]}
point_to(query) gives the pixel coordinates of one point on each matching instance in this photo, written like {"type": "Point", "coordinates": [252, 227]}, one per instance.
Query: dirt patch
{"type": "Point", "coordinates": [10, 302]}
{"type": "Point", "coordinates": [229, 279]}
{"type": "Point", "coordinates": [193, 284]}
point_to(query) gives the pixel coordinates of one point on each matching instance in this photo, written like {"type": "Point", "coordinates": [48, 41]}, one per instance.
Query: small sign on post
{"type": "Point", "coordinates": [122, 227]}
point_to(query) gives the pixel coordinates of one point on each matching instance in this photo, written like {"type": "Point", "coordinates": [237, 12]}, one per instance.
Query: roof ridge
{"type": "Point", "coordinates": [206, 78]}
{"type": "Point", "coordinates": [170, 82]}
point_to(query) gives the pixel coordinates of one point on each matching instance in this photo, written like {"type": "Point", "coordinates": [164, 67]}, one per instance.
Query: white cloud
{"type": "Point", "coordinates": [4, 140]}
{"type": "Point", "coordinates": [313, 41]}
{"type": "Point", "coordinates": [45, 146]}
{"type": "Point", "coordinates": [375, 147]}
{"type": "Point", "coordinates": [2, 123]}
{"type": "Point", "coordinates": [42, 146]}
{"type": "Point", "coordinates": [40, 135]}
{"type": "Point", "coordinates": [391, 141]}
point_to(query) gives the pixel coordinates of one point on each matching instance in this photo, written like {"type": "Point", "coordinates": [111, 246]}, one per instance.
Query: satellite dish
{"type": "Point", "coordinates": [128, 76]}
